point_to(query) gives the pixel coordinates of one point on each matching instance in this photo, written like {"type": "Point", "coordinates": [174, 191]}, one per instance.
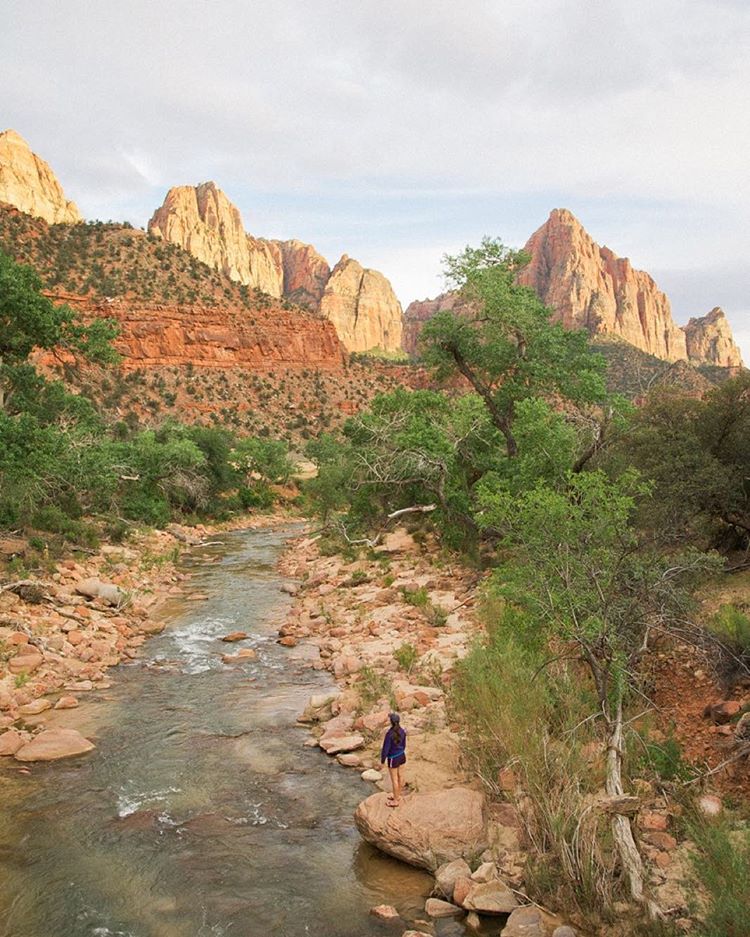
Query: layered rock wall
{"type": "Point", "coordinates": [306, 273]}
{"type": "Point", "coordinates": [155, 334]}
{"type": "Point", "coordinates": [28, 183]}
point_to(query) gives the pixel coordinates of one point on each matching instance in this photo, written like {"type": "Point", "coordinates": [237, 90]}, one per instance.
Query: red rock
{"type": "Point", "coordinates": [26, 661]}
{"type": "Point", "coordinates": [385, 912]}
{"type": "Point", "coordinates": [288, 641]}
{"type": "Point", "coordinates": [653, 822]}
{"type": "Point", "coordinates": [461, 888]}
{"type": "Point", "coordinates": [710, 341]}
{"type": "Point", "coordinates": [235, 636]}
{"type": "Point", "coordinates": [35, 707]}
{"type": "Point", "coordinates": [661, 840]}
{"type": "Point", "coordinates": [10, 742]}
{"type": "Point", "coordinates": [17, 638]}
{"type": "Point", "coordinates": [53, 744]}
{"type": "Point", "coordinates": [723, 711]}
{"type": "Point", "coordinates": [66, 702]}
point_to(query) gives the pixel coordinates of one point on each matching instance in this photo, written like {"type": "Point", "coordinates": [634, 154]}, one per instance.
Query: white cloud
{"type": "Point", "coordinates": [398, 127]}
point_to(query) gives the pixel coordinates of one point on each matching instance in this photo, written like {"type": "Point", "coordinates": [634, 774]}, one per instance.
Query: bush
{"type": "Point", "coordinates": [722, 868]}
{"type": "Point", "coordinates": [407, 656]}
{"type": "Point", "coordinates": [259, 495]}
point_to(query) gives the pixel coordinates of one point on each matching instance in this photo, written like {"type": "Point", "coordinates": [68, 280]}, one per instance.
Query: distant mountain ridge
{"type": "Point", "coordinates": [586, 286]}
{"type": "Point", "coordinates": [589, 287]}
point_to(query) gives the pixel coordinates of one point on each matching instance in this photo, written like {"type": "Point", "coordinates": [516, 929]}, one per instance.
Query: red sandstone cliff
{"type": "Point", "coordinates": [155, 334]}
{"type": "Point", "coordinates": [589, 287]}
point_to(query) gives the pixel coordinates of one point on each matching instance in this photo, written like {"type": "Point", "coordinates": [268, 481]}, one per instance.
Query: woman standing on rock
{"type": "Point", "coordinates": [393, 754]}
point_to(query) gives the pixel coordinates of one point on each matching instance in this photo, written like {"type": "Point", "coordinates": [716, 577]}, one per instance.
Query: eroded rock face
{"type": "Point", "coordinates": [590, 287]}
{"type": "Point", "coordinates": [203, 221]}
{"type": "Point", "coordinates": [421, 311]}
{"type": "Point", "coordinates": [306, 273]}
{"type": "Point", "coordinates": [363, 308]}
{"type": "Point", "coordinates": [427, 829]}
{"type": "Point", "coordinates": [29, 184]}
{"type": "Point", "coordinates": [154, 334]}
{"type": "Point", "coordinates": [710, 341]}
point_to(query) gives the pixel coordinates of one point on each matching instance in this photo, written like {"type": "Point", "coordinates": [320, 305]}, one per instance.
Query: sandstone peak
{"type": "Point", "coordinates": [363, 307]}
{"type": "Point", "coordinates": [710, 341]}
{"type": "Point", "coordinates": [203, 221]}
{"type": "Point", "coordinates": [590, 287]}
{"type": "Point", "coordinates": [28, 183]}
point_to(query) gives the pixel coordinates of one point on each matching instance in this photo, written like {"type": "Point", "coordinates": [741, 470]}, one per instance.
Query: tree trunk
{"type": "Point", "coordinates": [622, 831]}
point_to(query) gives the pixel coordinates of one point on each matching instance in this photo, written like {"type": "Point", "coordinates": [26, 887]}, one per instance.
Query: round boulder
{"type": "Point", "coordinates": [427, 829]}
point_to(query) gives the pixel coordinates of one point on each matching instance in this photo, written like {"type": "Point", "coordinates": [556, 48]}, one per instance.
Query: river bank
{"type": "Point", "coordinates": [60, 632]}
{"type": "Point", "coordinates": [200, 813]}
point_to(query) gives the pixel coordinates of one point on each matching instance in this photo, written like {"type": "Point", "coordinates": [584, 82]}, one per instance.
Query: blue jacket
{"type": "Point", "coordinates": [393, 749]}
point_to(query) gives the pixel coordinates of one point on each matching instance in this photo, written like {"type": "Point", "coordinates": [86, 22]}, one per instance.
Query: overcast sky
{"type": "Point", "coordinates": [395, 132]}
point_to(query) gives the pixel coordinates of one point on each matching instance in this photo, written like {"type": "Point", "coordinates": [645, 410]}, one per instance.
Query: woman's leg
{"type": "Point", "coordinates": [400, 781]}
{"type": "Point", "coordinates": [393, 773]}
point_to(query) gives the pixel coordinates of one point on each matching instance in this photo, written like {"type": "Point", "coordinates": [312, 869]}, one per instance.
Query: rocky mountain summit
{"type": "Point", "coordinates": [363, 308]}
{"type": "Point", "coordinates": [589, 287]}
{"type": "Point", "coordinates": [28, 183]}
{"type": "Point", "coordinates": [709, 339]}
{"type": "Point", "coordinates": [360, 302]}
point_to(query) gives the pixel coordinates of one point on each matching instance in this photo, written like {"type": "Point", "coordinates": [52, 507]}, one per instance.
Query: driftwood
{"type": "Point", "coordinates": [622, 830]}
{"type": "Point", "coordinates": [374, 541]}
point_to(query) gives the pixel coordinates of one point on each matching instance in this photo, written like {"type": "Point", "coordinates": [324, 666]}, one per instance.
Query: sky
{"type": "Point", "coordinates": [398, 132]}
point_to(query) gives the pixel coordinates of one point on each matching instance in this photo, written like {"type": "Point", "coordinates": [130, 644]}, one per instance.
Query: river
{"type": "Point", "coordinates": [200, 812]}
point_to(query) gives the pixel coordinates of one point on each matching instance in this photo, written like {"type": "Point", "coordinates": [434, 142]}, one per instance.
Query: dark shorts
{"type": "Point", "coordinates": [397, 761]}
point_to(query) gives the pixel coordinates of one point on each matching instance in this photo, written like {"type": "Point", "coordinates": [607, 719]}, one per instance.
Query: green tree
{"type": "Point", "coordinates": [505, 345]}
{"type": "Point", "coordinates": [30, 320]}
{"type": "Point", "coordinates": [581, 569]}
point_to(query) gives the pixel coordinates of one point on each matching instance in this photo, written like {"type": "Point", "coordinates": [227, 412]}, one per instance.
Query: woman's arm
{"type": "Point", "coordinates": [385, 750]}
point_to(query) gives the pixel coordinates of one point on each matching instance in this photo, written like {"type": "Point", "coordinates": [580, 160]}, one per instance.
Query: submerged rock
{"type": "Point", "coordinates": [427, 829]}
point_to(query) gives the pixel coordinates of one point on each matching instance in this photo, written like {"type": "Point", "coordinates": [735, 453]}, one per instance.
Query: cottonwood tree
{"type": "Point", "coordinates": [580, 567]}
{"type": "Point", "coordinates": [29, 320]}
{"type": "Point", "coordinates": [505, 346]}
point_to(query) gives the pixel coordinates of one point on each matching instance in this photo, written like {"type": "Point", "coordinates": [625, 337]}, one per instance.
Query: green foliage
{"type": "Point", "coordinates": [406, 655]}
{"type": "Point", "coordinates": [372, 687]}
{"type": "Point", "coordinates": [665, 759]}
{"type": "Point", "coordinates": [733, 625]}
{"type": "Point", "coordinates": [267, 459]}
{"type": "Point", "coordinates": [696, 453]}
{"type": "Point", "coordinates": [722, 868]}
{"type": "Point", "coordinates": [416, 597]}
{"type": "Point", "coordinates": [506, 347]}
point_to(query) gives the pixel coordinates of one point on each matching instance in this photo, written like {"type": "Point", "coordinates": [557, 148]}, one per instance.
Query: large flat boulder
{"type": "Point", "coordinates": [53, 744]}
{"type": "Point", "coordinates": [427, 829]}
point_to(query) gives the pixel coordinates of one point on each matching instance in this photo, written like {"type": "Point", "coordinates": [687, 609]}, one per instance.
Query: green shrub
{"type": "Point", "coordinates": [722, 867]}
{"type": "Point", "coordinates": [407, 656]}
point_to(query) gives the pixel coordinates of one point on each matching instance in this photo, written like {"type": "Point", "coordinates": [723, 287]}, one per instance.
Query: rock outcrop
{"type": "Point", "coordinates": [154, 334]}
{"type": "Point", "coordinates": [428, 829]}
{"type": "Point", "coordinates": [710, 341]}
{"type": "Point", "coordinates": [590, 287]}
{"type": "Point", "coordinates": [360, 303]}
{"type": "Point", "coordinates": [203, 221]}
{"type": "Point", "coordinates": [363, 308]}
{"type": "Point", "coordinates": [28, 183]}
{"type": "Point", "coordinates": [421, 311]}
{"type": "Point", "coordinates": [306, 273]}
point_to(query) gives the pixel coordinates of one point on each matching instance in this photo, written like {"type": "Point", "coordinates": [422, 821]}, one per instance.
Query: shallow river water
{"type": "Point", "coordinates": [200, 812]}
